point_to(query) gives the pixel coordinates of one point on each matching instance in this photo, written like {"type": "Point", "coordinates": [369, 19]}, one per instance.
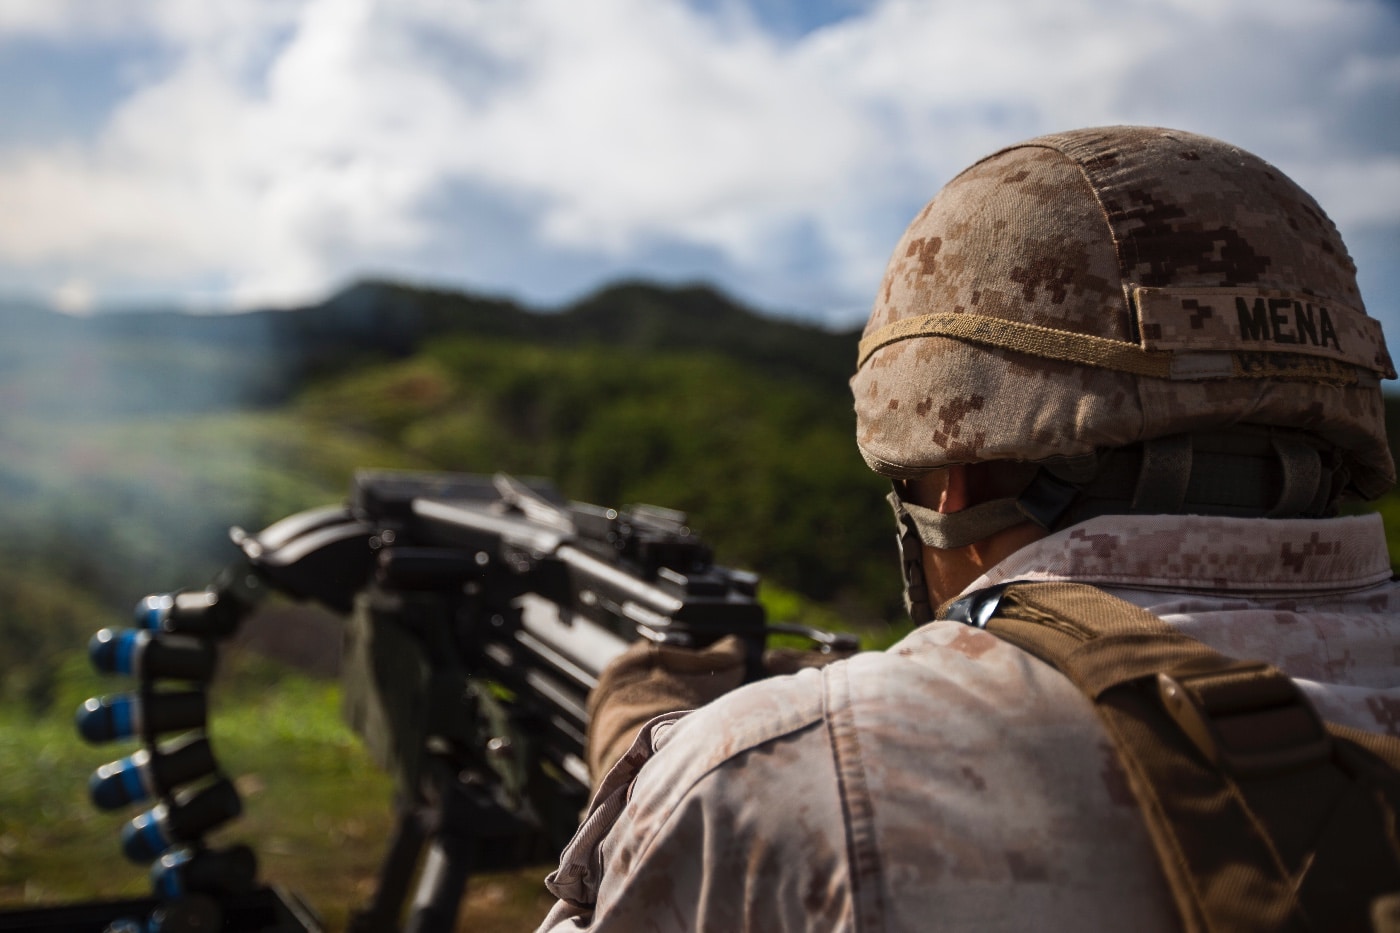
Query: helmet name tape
{"type": "Point", "coordinates": [1255, 319]}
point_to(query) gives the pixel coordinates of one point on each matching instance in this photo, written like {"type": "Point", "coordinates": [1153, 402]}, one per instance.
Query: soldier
{"type": "Point", "coordinates": [1132, 358]}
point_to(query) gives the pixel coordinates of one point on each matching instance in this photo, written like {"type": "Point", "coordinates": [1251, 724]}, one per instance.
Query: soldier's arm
{"type": "Point", "coordinates": [691, 828]}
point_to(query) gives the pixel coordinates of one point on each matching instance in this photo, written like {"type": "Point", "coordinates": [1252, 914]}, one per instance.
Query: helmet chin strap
{"type": "Point", "coordinates": [1043, 502]}
{"type": "Point", "coordinates": [917, 601]}
{"type": "Point", "coordinates": [1246, 472]}
{"type": "Point", "coordinates": [949, 530]}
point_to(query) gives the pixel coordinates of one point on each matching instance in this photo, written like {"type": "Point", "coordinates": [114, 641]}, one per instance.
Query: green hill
{"type": "Point", "coordinates": [154, 362]}
{"type": "Point", "coordinates": [130, 443]}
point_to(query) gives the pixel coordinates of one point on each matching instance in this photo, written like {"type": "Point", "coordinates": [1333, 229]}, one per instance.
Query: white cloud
{"type": "Point", "coordinates": [212, 23]}
{"type": "Point", "coordinates": [73, 297]}
{"type": "Point", "coordinates": [290, 144]}
{"type": "Point", "coordinates": [680, 131]}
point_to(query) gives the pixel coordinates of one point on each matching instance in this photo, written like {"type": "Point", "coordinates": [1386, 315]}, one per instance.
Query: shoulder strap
{"type": "Point", "coordinates": [1263, 816]}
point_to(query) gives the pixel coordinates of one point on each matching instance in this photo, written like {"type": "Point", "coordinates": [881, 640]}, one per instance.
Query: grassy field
{"type": "Point", "coordinates": [315, 809]}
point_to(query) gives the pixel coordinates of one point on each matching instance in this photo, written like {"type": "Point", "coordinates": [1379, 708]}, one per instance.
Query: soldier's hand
{"type": "Point", "coordinates": [649, 679]}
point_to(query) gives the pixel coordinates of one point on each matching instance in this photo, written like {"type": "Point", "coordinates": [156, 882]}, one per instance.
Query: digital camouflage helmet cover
{"type": "Point", "coordinates": [1094, 288]}
{"type": "Point", "coordinates": [1108, 288]}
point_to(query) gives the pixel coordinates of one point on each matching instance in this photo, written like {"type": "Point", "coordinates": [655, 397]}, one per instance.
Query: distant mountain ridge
{"type": "Point", "coordinates": [166, 361]}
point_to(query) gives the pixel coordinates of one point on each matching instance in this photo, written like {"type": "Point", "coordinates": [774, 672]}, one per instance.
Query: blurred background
{"type": "Point", "coordinates": [627, 245]}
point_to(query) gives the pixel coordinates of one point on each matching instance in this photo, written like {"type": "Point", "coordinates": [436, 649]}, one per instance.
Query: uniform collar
{"type": "Point", "coordinates": [1206, 554]}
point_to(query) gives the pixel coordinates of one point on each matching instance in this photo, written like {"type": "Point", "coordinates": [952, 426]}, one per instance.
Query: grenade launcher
{"type": "Point", "coordinates": [481, 611]}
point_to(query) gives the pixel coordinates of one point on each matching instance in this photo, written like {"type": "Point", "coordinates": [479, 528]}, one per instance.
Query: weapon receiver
{"type": "Point", "coordinates": [481, 611]}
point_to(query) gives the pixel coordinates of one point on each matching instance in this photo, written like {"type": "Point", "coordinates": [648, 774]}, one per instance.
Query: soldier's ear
{"type": "Point", "coordinates": [944, 490]}
{"type": "Point", "coordinates": [955, 496]}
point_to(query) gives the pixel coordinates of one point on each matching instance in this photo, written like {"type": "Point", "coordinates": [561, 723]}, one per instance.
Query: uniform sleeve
{"type": "Point", "coordinates": [727, 818]}
{"type": "Point", "coordinates": [648, 680]}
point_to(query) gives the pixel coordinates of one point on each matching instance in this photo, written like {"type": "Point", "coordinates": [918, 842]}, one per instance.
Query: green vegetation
{"type": "Point", "coordinates": [100, 513]}
{"type": "Point", "coordinates": [315, 809]}
{"type": "Point", "coordinates": [764, 466]}
{"type": "Point", "coordinates": [110, 492]}
{"type": "Point", "coordinates": [129, 448]}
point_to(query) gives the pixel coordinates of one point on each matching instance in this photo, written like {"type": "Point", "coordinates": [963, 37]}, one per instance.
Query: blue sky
{"type": "Point", "coordinates": [208, 155]}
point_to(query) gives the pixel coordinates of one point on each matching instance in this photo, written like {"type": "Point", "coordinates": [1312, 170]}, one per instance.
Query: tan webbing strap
{"type": "Point", "coordinates": [1263, 817]}
{"type": "Point", "coordinates": [1224, 359]}
{"type": "Point", "coordinates": [1032, 339]}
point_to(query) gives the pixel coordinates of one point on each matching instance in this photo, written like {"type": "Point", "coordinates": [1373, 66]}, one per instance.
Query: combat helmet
{"type": "Point", "coordinates": [1130, 289]}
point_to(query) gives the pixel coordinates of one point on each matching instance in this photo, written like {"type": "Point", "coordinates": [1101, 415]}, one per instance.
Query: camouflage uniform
{"type": "Point", "coordinates": [954, 782]}
{"type": "Point", "coordinates": [1058, 304]}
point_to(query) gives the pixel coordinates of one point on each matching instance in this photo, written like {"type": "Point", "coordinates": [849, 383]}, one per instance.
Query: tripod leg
{"type": "Point", "coordinates": [441, 885]}
{"type": "Point", "coordinates": [381, 915]}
